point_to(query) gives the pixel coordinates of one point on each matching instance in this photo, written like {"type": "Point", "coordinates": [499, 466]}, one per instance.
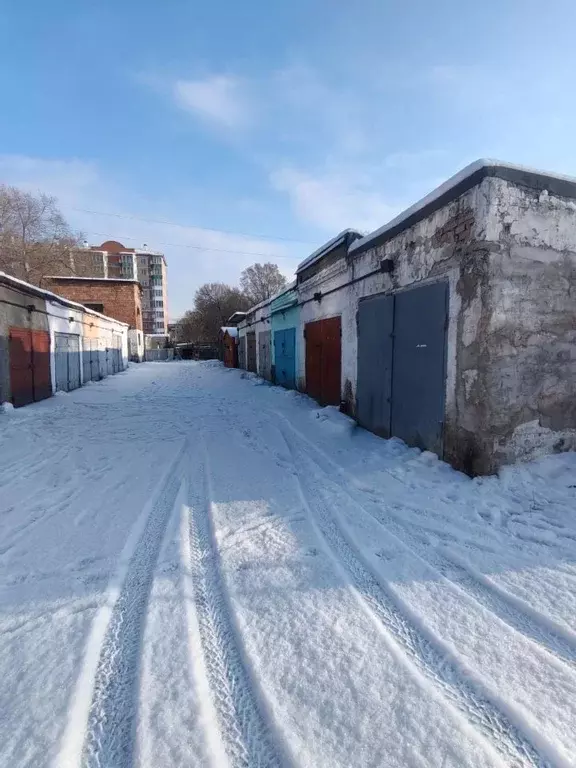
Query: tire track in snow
{"type": "Point", "coordinates": [428, 654]}
{"type": "Point", "coordinates": [554, 638]}
{"type": "Point", "coordinates": [110, 732]}
{"type": "Point", "coordinates": [247, 738]}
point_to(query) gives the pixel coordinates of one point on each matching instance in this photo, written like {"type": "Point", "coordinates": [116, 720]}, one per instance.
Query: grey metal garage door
{"type": "Point", "coordinates": [419, 368]}
{"type": "Point", "coordinates": [251, 351]}
{"type": "Point", "coordinates": [242, 352]}
{"type": "Point", "coordinates": [67, 361]}
{"type": "Point", "coordinates": [402, 365]}
{"type": "Point", "coordinates": [375, 346]}
{"type": "Point", "coordinates": [264, 354]}
{"type": "Point", "coordinates": [91, 360]}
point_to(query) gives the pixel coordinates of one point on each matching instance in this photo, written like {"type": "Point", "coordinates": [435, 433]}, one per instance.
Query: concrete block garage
{"type": "Point", "coordinates": [453, 326]}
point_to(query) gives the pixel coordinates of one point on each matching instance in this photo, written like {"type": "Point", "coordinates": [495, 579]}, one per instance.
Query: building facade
{"type": "Point", "coordinates": [120, 298]}
{"type": "Point", "coordinates": [114, 260]}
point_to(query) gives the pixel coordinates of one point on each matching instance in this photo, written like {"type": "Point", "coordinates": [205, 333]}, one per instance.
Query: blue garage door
{"type": "Point", "coordinates": [285, 357]}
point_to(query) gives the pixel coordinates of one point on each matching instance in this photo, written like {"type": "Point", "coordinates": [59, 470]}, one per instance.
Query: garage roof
{"type": "Point", "coordinates": [461, 182]}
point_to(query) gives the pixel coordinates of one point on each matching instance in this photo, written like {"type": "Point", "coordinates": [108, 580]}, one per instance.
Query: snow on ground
{"type": "Point", "coordinates": [198, 569]}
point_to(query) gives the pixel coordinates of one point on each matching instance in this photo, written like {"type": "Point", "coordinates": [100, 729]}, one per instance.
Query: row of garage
{"type": "Point", "coordinates": [50, 344]}
{"type": "Point", "coordinates": [452, 327]}
{"type": "Point", "coordinates": [397, 335]}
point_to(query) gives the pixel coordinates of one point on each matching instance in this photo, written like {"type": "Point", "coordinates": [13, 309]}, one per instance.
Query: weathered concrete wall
{"type": "Point", "coordinates": [516, 364]}
{"type": "Point", "coordinates": [509, 255]}
{"type": "Point", "coordinates": [430, 250]}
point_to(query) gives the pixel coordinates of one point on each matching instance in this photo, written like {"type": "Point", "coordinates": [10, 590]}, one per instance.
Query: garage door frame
{"type": "Point", "coordinates": [402, 346]}
{"type": "Point", "coordinates": [324, 360]}
{"type": "Point", "coordinates": [29, 365]}
{"type": "Point", "coordinates": [67, 361]}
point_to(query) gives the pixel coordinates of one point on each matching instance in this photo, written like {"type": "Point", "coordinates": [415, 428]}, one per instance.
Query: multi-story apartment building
{"type": "Point", "coordinates": [113, 260]}
{"type": "Point", "coordinates": [152, 275]}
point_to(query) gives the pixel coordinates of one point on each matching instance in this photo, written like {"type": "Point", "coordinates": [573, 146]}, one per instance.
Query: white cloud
{"type": "Point", "coordinates": [194, 255]}
{"type": "Point", "coordinates": [65, 179]}
{"type": "Point", "coordinates": [334, 201]}
{"type": "Point", "coordinates": [218, 98]}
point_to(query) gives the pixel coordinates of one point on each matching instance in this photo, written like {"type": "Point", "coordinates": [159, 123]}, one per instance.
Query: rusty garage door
{"type": "Point", "coordinates": [324, 360]}
{"type": "Point", "coordinates": [401, 365]}
{"type": "Point", "coordinates": [29, 366]}
{"type": "Point", "coordinates": [251, 364]}
{"type": "Point", "coordinates": [264, 354]}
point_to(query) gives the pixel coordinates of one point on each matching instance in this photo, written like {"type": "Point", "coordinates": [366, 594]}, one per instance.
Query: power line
{"type": "Point", "coordinates": [201, 247]}
{"type": "Point", "coordinates": [192, 226]}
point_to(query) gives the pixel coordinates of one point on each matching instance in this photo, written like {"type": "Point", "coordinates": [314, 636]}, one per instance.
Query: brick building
{"type": "Point", "coordinates": [120, 298]}
{"type": "Point", "coordinates": [114, 260]}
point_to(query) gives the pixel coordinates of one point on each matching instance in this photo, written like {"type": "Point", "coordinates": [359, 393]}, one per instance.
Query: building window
{"type": "Point", "coordinates": [95, 307]}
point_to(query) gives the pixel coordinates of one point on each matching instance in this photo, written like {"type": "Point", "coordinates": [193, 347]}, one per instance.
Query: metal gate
{"type": "Point", "coordinates": [242, 352]}
{"type": "Point", "coordinates": [67, 361]}
{"type": "Point", "coordinates": [419, 374]}
{"type": "Point", "coordinates": [324, 360]}
{"type": "Point", "coordinates": [29, 366]}
{"type": "Point", "coordinates": [375, 346]}
{"type": "Point", "coordinates": [402, 365]}
{"type": "Point", "coordinates": [251, 352]}
{"type": "Point", "coordinates": [91, 360]}
{"type": "Point", "coordinates": [264, 354]}
{"type": "Point", "coordinates": [285, 358]}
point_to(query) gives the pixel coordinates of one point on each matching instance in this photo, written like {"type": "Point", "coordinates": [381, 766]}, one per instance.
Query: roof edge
{"type": "Point", "coordinates": [326, 248]}
{"type": "Point", "coordinates": [457, 185]}
{"type": "Point", "coordinates": [53, 297]}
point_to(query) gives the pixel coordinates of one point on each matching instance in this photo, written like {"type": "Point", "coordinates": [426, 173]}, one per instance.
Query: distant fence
{"type": "Point", "coordinates": [159, 355]}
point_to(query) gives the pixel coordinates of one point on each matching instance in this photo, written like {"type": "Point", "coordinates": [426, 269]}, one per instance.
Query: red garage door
{"type": "Point", "coordinates": [324, 360]}
{"type": "Point", "coordinates": [29, 366]}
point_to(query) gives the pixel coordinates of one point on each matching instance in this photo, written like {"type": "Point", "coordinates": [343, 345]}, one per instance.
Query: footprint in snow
{"type": "Point", "coordinates": [311, 552]}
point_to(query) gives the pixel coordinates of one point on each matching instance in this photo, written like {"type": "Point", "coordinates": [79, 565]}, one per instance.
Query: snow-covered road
{"type": "Point", "coordinates": [198, 569]}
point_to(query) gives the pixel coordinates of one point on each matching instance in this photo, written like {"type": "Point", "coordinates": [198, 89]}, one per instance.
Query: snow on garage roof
{"type": "Point", "coordinates": [54, 297]}
{"type": "Point", "coordinates": [230, 330]}
{"type": "Point", "coordinates": [468, 177]}
{"type": "Point", "coordinates": [340, 237]}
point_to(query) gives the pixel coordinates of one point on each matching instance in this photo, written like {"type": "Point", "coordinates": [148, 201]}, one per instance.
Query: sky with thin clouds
{"type": "Point", "coordinates": [225, 133]}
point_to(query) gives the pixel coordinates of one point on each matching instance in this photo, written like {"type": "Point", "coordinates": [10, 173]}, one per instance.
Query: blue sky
{"type": "Point", "coordinates": [265, 128]}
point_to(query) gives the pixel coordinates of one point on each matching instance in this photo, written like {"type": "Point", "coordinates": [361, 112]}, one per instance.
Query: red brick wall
{"type": "Point", "coordinates": [121, 300]}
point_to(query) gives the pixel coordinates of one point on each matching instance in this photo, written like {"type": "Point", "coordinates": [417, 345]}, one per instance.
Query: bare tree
{"type": "Point", "coordinates": [261, 281]}
{"type": "Point", "coordinates": [214, 303]}
{"type": "Point", "coordinates": [35, 239]}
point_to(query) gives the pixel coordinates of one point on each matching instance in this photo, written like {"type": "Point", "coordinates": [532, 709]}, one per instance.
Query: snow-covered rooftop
{"type": "Point", "coordinates": [236, 317]}
{"type": "Point", "coordinates": [50, 296]}
{"type": "Point", "coordinates": [456, 185]}
{"type": "Point", "coordinates": [309, 260]}
{"type": "Point", "coordinates": [230, 330]}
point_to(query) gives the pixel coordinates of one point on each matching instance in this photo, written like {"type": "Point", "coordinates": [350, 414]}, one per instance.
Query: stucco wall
{"type": "Point", "coordinates": [517, 354]}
